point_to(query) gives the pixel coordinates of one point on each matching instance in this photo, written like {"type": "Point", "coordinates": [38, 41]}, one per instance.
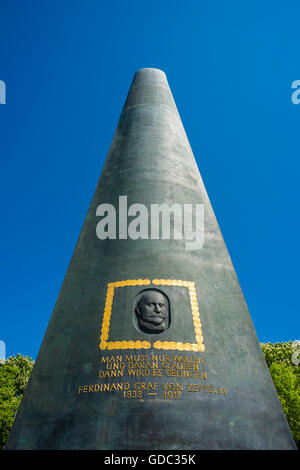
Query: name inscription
{"type": "Point", "coordinates": [130, 366]}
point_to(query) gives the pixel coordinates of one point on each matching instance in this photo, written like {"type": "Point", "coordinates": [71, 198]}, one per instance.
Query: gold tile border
{"type": "Point", "coordinates": [105, 344]}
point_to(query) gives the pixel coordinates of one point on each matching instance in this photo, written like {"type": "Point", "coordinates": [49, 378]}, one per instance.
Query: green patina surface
{"type": "Point", "coordinates": [150, 161]}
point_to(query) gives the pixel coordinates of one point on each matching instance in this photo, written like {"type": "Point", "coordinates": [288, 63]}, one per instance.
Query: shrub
{"type": "Point", "coordinates": [14, 375]}
{"type": "Point", "coordinates": [283, 361]}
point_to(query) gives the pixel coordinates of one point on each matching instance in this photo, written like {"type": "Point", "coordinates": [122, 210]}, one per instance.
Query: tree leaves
{"type": "Point", "coordinates": [14, 375]}
{"type": "Point", "coordinates": [282, 360]}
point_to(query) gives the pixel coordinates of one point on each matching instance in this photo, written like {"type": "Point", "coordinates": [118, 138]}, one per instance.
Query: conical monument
{"type": "Point", "coordinates": [150, 344]}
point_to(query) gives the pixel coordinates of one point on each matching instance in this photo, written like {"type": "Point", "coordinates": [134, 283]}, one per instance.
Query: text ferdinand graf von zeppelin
{"type": "Point", "coordinates": [145, 368]}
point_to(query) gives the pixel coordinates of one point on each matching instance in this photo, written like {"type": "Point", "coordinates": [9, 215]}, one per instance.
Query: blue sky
{"type": "Point", "coordinates": [68, 65]}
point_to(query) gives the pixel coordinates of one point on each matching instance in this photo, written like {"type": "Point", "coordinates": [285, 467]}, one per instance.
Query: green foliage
{"type": "Point", "coordinates": [14, 375]}
{"type": "Point", "coordinates": [283, 353]}
{"type": "Point", "coordinates": [283, 360]}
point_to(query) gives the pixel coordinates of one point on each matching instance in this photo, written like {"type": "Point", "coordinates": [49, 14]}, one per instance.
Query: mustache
{"type": "Point", "coordinates": [162, 316]}
{"type": "Point", "coordinates": [157, 314]}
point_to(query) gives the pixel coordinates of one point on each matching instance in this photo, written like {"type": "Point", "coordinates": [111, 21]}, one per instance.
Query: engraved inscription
{"type": "Point", "coordinates": [179, 375]}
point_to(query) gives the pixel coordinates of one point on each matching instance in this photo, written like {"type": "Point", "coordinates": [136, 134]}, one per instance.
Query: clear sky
{"type": "Point", "coordinates": [68, 65]}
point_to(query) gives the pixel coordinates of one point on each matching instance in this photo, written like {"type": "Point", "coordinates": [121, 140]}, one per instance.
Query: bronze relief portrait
{"type": "Point", "coordinates": [152, 311]}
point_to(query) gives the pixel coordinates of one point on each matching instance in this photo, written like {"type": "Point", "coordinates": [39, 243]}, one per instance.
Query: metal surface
{"type": "Point", "coordinates": [201, 382]}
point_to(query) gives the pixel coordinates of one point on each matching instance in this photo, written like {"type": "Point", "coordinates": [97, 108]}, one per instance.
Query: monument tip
{"type": "Point", "coordinates": [150, 70]}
